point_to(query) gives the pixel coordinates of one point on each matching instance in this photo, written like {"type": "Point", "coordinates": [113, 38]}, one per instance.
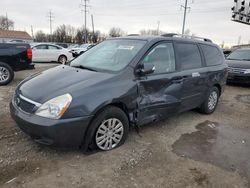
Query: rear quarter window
{"type": "Point", "coordinates": [188, 55]}
{"type": "Point", "coordinates": [212, 55]}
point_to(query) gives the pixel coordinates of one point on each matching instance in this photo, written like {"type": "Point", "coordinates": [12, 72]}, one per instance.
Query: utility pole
{"type": "Point", "coordinates": [93, 28]}
{"type": "Point", "coordinates": [51, 17]}
{"type": "Point", "coordinates": [7, 22]}
{"type": "Point", "coordinates": [184, 16]}
{"type": "Point", "coordinates": [158, 27]}
{"type": "Point", "coordinates": [85, 6]}
{"type": "Point", "coordinates": [32, 33]}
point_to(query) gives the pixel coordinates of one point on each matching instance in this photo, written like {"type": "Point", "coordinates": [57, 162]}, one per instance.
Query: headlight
{"type": "Point", "coordinates": [247, 71]}
{"type": "Point", "coordinates": [55, 108]}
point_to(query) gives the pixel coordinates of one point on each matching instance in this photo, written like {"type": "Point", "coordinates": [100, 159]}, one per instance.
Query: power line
{"type": "Point", "coordinates": [51, 17]}
{"type": "Point", "coordinates": [85, 6]}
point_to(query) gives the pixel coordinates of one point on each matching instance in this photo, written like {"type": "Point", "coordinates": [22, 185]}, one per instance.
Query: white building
{"type": "Point", "coordinates": [14, 36]}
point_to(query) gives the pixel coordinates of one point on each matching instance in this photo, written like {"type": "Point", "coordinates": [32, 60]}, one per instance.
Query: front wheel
{"type": "Point", "coordinates": [6, 74]}
{"type": "Point", "coordinates": [210, 104]}
{"type": "Point", "coordinates": [110, 128]}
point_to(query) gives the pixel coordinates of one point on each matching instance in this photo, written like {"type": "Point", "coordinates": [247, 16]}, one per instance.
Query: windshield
{"type": "Point", "coordinates": [242, 54]}
{"type": "Point", "coordinates": [110, 55]}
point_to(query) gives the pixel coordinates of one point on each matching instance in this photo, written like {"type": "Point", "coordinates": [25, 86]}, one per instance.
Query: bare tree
{"type": "Point", "coordinates": [151, 32]}
{"type": "Point", "coordinates": [6, 24]}
{"type": "Point", "coordinates": [116, 32]}
{"type": "Point", "coordinates": [40, 36]}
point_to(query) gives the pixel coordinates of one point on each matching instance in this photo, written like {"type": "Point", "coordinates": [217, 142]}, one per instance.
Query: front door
{"type": "Point", "coordinates": [159, 92]}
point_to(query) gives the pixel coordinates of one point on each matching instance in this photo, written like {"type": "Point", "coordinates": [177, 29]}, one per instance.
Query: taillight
{"type": "Point", "coordinates": [29, 53]}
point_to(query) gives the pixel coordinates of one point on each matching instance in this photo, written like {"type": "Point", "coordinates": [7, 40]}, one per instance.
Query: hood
{"type": "Point", "coordinates": [238, 64]}
{"type": "Point", "coordinates": [58, 81]}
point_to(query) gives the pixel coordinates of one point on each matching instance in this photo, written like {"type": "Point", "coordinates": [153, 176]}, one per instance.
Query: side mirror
{"type": "Point", "coordinates": [146, 68]}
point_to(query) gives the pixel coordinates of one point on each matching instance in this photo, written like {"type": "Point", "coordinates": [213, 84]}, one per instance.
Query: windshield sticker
{"type": "Point", "coordinates": [126, 47]}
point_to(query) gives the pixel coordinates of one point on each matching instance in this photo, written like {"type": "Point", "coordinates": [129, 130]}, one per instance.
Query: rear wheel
{"type": "Point", "coordinates": [6, 74]}
{"type": "Point", "coordinates": [62, 59]}
{"type": "Point", "coordinates": [211, 101]}
{"type": "Point", "coordinates": [109, 129]}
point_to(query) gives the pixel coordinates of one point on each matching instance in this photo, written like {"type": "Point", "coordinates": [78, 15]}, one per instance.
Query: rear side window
{"type": "Point", "coordinates": [212, 55]}
{"type": "Point", "coordinates": [188, 55]}
{"type": "Point", "coordinates": [41, 47]}
{"type": "Point", "coordinates": [53, 47]}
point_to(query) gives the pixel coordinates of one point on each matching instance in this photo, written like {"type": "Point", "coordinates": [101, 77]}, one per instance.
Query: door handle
{"type": "Point", "coordinates": [195, 74]}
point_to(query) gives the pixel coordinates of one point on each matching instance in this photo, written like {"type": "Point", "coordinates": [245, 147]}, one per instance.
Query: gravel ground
{"type": "Point", "coordinates": [188, 150]}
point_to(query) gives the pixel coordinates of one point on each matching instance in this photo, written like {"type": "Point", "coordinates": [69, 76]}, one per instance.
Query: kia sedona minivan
{"type": "Point", "coordinates": [121, 82]}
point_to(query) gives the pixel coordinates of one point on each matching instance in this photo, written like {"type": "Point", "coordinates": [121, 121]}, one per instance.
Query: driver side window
{"type": "Point", "coordinates": [162, 57]}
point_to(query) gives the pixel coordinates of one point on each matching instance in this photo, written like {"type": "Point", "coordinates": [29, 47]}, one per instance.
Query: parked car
{"type": "Point", "coordinates": [81, 49]}
{"type": "Point", "coordinates": [121, 82]}
{"type": "Point", "coordinates": [227, 52]}
{"type": "Point", "coordinates": [17, 41]}
{"type": "Point", "coordinates": [51, 53]}
{"type": "Point", "coordinates": [14, 57]}
{"type": "Point", "coordinates": [239, 66]}
{"type": "Point", "coordinates": [64, 45]}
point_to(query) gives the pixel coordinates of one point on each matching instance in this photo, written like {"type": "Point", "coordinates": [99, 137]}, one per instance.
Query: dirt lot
{"type": "Point", "coordinates": [189, 150]}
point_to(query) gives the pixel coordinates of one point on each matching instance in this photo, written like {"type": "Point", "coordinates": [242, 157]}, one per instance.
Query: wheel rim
{"type": "Point", "coordinates": [4, 74]}
{"type": "Point", "coordinates": [109, 134]}
{"type": "Point", "coordinates": [62, 60]}
{"type": "Point", "coordinates": [212, 100]}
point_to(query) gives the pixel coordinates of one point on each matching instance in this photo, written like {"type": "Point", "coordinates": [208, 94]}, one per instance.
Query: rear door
{"type": "Point", "coordinates": [159, 92]}
{"type": "Point", "coordinates": [192, 73]}
{"type": "Point", "coordinates": [40, 53]}
{"type": "Point", "coordinates": [53, 52]}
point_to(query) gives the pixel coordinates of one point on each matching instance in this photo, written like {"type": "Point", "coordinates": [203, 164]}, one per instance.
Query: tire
{"type": "Point", "coordinates": [211, 102]}
{"type": "Point", "coordinates": [6, 74]}
{"type": "Point", "coordinates": [100, 137]}
{"type": "Point", "coordinates": [62, 59]}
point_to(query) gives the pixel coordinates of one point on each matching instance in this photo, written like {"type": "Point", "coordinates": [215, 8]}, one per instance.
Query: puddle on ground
{"type": "Point", "coordinates": [243, 98]}
{"type": "Point", "coordinates": [220, 145]}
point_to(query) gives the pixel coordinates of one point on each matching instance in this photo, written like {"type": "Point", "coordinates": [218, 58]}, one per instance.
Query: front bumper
{"type": "Point", "coordinates": [62, 132]}
{"type": "Point", "coordinates": [238, 78]}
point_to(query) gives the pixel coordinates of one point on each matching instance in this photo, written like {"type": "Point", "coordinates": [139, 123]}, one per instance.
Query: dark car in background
{"type": "Point", "coordinates": [226, 52]}
{"type": "Point", "coordinates": [239, 66]}
{"type": "Point", "coordinates": [14, 57]}
{"type": "Point", "coordinates": [121, 82]}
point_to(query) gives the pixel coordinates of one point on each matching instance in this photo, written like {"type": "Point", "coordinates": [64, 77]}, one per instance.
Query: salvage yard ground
{"type": "Point", "coordinates": [188, 150]}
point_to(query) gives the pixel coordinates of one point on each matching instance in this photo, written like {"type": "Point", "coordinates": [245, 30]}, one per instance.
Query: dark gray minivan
{"type": "Point", "coordinates": [121, 82]}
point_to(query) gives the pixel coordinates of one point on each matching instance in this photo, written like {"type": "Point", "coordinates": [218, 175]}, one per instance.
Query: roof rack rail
{"type": "Point", "coordinates": [186, 36]}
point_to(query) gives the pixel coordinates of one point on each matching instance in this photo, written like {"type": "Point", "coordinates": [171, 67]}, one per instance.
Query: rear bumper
{"type": "Point", "coordinates": [31, 66]}
{"type": "Point", "coordinates": [62, 132]}
{"type": "Point", "coordinates": [25, 67]}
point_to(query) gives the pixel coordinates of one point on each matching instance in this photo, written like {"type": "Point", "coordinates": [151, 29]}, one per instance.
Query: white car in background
{"type": "Point", "coordinates": [50, 53]}
{"type": "Point", "coordinates": [76, 51]}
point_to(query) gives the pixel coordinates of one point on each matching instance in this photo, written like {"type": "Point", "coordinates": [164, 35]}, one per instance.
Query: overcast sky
{"type": "Point", "coordinates": [207, 18]}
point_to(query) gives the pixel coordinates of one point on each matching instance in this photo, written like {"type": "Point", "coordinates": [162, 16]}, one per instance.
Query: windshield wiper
{"type": "Point", "coordinates": [83, 67]}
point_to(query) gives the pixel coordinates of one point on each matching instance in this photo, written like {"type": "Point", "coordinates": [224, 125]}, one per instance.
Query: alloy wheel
{"type": "Point", "coordinates": [109, 134]}
{"type": "Point", "coordinates": [212, 100]}
{"type": "Point", "coordinates": [4, 74]}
